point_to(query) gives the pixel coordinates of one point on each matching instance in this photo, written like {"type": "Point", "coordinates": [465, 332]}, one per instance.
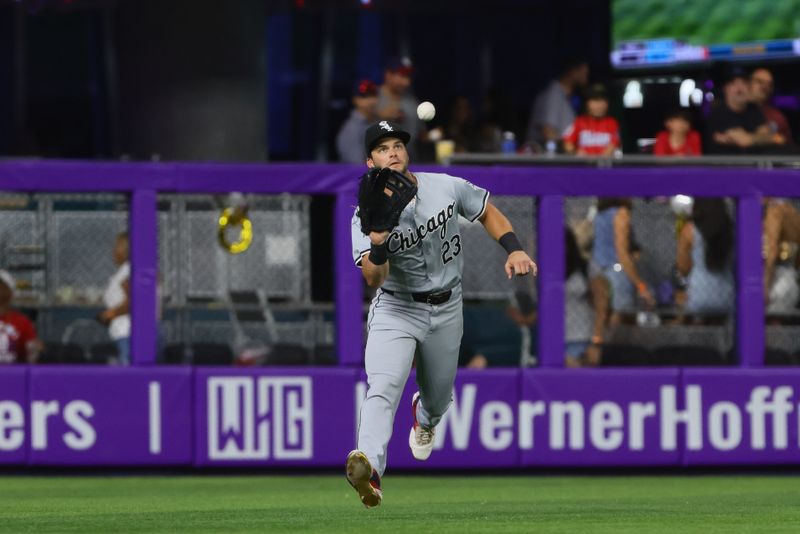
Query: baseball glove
{"type": "Point", "coordinates": [382, 196]}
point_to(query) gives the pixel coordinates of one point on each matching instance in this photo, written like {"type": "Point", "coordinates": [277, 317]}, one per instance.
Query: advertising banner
{"type": "Point", "coordinates": [13, 415]}
{"type": "Point", "coordinates": [501, 418]}
{"type": "Point", "coordinates": [741, 416]}
{"type": "Point", "coordinates": [110, 416]}
{"type": "Point", "coordinates": [274, 417]}
{"type": "Point", "coordinates": [597, 417]}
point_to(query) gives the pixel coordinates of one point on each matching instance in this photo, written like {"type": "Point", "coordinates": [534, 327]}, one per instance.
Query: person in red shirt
{"type": "Point", "coordinates": [594, 133]}
{"type": "Point", "coordinates": [18, 341]}
{"type": "Point", "coordinates": [679, 139]}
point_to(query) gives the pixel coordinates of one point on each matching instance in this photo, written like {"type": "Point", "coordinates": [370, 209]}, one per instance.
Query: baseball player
{"type": "Point", "coordinates": [416, 265]}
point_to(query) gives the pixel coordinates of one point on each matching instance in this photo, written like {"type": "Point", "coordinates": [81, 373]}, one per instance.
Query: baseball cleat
{"type": "Point", "coordinates": [365, 480]}
{"type": "Point", "coordinates": [421, 439]}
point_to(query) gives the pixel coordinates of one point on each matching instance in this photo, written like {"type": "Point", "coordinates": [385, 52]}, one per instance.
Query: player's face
{"type": "Point", "coordinates": [390, 152]}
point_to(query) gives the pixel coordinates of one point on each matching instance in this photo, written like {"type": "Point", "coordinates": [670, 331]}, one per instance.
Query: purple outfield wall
{"type": "Point", "coordinates": [206, 417]}
{"type": "Point", "coordinates": [145, 415]}
{"type": "Point", "coordinates": [143, 181]}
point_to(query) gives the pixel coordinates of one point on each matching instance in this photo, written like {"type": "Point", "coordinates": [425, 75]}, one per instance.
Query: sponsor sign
{"type": "Point", "coordinates": [741, 416]}
{"type": "Point", "coordinates": [309, 417]}
{"type": "Point", "coordinates": [109, 416]}
{"type": "Point", "coordinates": [13, 416]}
{"type": "Point", "coordinates": [274, 417]}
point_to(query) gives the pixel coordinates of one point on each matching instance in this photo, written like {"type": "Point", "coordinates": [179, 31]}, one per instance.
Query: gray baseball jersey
{"type": "Point", "coordinates": [424, 256]}
{"type": "Point", "coordinates": [425, 248]}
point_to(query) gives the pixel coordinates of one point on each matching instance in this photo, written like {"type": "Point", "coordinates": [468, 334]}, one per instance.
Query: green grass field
{"type": "Point", "coordinates": [325, 503]}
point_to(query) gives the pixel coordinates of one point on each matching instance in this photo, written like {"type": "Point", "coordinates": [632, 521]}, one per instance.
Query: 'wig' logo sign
{"type": "Point", "coordinates": [260, 418]}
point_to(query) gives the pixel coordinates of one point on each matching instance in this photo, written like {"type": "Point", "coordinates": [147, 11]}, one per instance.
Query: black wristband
{"type": "Point", "coordinates": [378, 254]}
{"type": "Point", "coordinates": [510, 242]}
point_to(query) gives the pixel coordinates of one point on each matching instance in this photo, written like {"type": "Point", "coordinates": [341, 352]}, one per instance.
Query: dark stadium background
{"type": "Point", "coordinates": [86, 67]}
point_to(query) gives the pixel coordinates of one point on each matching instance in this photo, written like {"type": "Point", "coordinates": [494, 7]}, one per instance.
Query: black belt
{"type": "Point", "coordinates": [427, 297]}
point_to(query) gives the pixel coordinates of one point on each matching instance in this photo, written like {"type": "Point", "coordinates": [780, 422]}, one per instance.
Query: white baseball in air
{"type": "Point", "coordinates": [426, 111]}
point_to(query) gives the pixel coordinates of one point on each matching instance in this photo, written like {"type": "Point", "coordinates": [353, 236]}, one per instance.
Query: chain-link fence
{"type": "Point", "coordinates": [650, 281]}
{"type": "Point", "coordinates": [484, 277]}
{"type": "Point", "coordinates": [500, 316]}
{"type": "Point", "coordinates": [59, 251]}
{"type": "Point", "coordinates": [781, 252]}
{"type": "Point", "coordinates": [67, 259]}
{"type": "Point", "coordinates": [254, 306]}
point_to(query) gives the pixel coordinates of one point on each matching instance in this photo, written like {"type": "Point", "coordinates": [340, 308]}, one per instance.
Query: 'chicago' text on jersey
{"type": "Point", "coordinates": [399, 241]}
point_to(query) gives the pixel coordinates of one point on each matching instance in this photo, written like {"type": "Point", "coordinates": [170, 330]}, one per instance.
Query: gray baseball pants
{"type": "Point", "coordinates": [397, 326]}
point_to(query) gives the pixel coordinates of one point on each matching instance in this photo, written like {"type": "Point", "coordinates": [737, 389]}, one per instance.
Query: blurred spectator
{"type": "Point", "coordinates": [595, 133]}
{"type": "Point", "coordinates": [579, 316]}
{"type": "Point", "coordinates": [350, 139]}
{"type": "Point", "coordinates": [461, 127]}
{"type": "Point", "coordinates": [522, 311]}
{"type": "Point", "coordinates": [679, 139]}
{"type": "Point", "coordinates": [496, 117]}
{"type": "Point", "coordinates": [736, 125]}
{"type": "Point", "coordinates": [117, 300]}
{"type": "Point", "coordinates": [781, 242]}
{"type": "Point", "coordinates": [612, 270]}
{"type": "Point", "coordinates": [471, 359]}
{"type": "Point", "coordinates": [552, 112]}
{"type": "Point", "coordinates": [18, 340]}
{"type": "Point", "coordinates": [396, 102]}
{"type": "Point", "coordinates": [501, 337]}
{"type": "Point", "coordinates": [705, 257]}
{"type": "Point", "coordinates": [761, 87]}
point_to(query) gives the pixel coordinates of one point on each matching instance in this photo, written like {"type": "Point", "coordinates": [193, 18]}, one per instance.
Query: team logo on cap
{"type": "Point", "coordinates": [386, 126]}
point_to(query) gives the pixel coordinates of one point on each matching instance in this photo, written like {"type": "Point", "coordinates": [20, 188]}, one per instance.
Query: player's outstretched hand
{"type": "Point", "coordinates": [520, 264]}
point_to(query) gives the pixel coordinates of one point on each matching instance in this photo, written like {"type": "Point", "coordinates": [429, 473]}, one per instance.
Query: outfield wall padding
{"type": "Point", "coordinates": [207, 417]}
{"type": "Point", "coordinates": [550, 416]}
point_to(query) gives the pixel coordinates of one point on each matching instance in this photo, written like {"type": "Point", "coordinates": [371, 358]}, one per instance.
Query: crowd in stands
{"type": "Point", "coordinates": [604, 287]}
{"type": "Point", "coordinates": [608, 290]}
{"type": "Point", "coordinates": [394, 100]}
{"type": "Point", "coordinates": [571, 116]}
{"type": "Point", "coordinates": [20, 343]}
